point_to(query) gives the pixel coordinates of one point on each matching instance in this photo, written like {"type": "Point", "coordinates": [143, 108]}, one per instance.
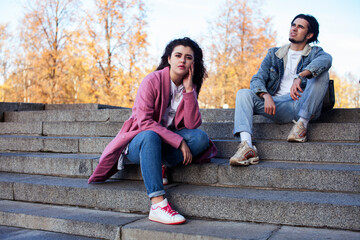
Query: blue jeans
{"type": "Point", "coordinates": [308, 106]}
{"type": "Point", "coordinates": [148, 150]}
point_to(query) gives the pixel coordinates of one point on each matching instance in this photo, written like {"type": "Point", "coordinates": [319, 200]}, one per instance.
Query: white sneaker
{"type": "Point", "coordinates": [163, 213]}
{"type": "Point", "coordinates": [245, 155]}
{"type": "Point", "coordinates": [297, 133]}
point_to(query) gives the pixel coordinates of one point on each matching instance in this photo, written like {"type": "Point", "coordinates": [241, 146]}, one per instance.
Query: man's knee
{"type": "Point", "coordinates": [244, 95]}
{"type": "Point", "coordinates": [323, 77]}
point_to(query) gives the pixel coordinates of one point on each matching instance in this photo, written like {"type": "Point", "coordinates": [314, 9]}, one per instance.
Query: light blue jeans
{"type": "Point", "coordinates": [148, 150]}
{"type": "Point", "coordinates": [308, 106]}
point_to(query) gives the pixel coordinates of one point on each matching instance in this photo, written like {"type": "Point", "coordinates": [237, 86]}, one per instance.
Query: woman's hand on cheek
{"type": "Point", "coordinates": [187, 81]}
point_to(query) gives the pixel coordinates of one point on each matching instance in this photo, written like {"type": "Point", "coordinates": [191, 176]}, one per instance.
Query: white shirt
{"type": "Point", "coordinates": [167, 119]}
{"type": "Point", "coordinates": [176, 97]}
{"type": "Point", "coordinates": [293, 59]}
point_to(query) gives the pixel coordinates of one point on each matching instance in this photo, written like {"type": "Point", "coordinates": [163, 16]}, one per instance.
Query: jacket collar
{"type": "Point", "coordinates": [283, 51]}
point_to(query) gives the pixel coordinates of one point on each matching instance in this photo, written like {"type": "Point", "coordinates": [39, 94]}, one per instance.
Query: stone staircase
{"type": "Point", "coordinates": [298, 191]}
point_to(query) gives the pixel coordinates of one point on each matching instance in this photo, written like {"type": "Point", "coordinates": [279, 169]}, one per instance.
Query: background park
{"type": "Point", "coordinates": [63, 62]}
{"type": "Point", "coordinates": [73, 51]}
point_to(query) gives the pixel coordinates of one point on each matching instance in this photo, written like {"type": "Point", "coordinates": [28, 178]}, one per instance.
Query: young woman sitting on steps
{"type": "Point", "coordinates": [163, 126]}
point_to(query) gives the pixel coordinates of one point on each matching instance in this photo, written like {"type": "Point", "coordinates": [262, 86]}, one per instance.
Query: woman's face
{"type": "Point", "coordinates": [180, 60]}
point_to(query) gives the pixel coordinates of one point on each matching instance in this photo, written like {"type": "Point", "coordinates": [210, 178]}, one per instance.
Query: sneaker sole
{"type": "Point", "coordinates": [167, 223]}
{"type": "Point", "coordinates": [240, 163]}
{"type": "Point", "coordinates": [254, 160]}
{"type": "Point", "coordinates": [301, 140]}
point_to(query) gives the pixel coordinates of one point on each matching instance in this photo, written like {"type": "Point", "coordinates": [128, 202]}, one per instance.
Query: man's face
{"type": "Point", "coordinates": [299, 31]}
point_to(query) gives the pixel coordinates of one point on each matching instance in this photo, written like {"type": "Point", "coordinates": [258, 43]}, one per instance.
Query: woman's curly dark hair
{"type": "Point", "coordinates": [199, 68]}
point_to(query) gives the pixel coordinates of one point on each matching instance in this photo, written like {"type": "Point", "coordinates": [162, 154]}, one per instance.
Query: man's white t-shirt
{"type": "Point", "coordinates": [293, 59]}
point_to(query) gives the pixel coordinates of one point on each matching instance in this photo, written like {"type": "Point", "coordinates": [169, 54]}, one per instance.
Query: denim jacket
{"type": "Point", "coordinates": [271, 71]}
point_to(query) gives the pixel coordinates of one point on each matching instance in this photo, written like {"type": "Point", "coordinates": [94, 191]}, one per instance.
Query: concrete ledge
{"type": "Point", "coordinates": [198, 229]}
{"type": "Point", "coordinates": [268, 206]}
{"type": "Point", "coordinates": [30, 234]}
{"type": "Point", "coordinates": [79, 106]}
{"type": "Point", "coordinates": [77, 223]}
{"type": "Point", "coordinates": [13, 106]}
{"type": "Point", "coordinates": [95, 129]}
{"type": "Point", "coordinates": [118, 114]}
{"type": "Point", "coordinates": [70, 220]}
{"type": "Point", "coordinates": [270, 131]}
{"type": "Point", "coordinates": [336, 152]}
{"type": "Point", "coordinates": [215, 230]}
{"type": "Point", "coordinates": [29, 128]}
{"type": "Point", "coordinates": [70, 165]}
{"type": "Point", "coordinates": [270, 175]}
{"type": "Point", "coordinates": [301, 208]}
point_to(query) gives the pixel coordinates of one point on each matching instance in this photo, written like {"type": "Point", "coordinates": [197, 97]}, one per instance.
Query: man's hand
{"type": "Point", "coordinates": [269, 105]}
{"type": "Point", "coordinates": [186, 153]}
{"type": "Point", "coordinates": [295, 88]}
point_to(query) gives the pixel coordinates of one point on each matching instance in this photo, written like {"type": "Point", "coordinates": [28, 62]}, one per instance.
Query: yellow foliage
{"type": "Point", "coordinates": [97, 62]}
{"type": "Point", "coordinates": [239, 37]}
{"type": "Point", "coordinates": [347, 91]}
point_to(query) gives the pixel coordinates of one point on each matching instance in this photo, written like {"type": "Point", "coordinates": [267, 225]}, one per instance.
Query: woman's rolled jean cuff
{"type": "Point", "coordinates": [156, 194]}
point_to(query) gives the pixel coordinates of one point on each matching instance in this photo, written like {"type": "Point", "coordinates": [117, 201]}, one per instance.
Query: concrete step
{"type": "Point", "coordinates": [337, 152]}
{"type": "Point", "coordinates": [270, 131]}
{"type": "Point", "coordinates": [81, 115]}
{"type": "Point", "coordinates": [69, 220]}
{"type": "Point", "coordinates": [272, 175]}
{"type": "Point", "coordinates": [21, 128]}
{"type": "Point", "coordinates": [268, 174]}
{"type": "Point", "coordinates": [76, 220]}
{"type": "Point", "coordinates": [300, 208]}
{"type": "Point", "coordinates": [120, 115]}
{"type": "Point", "coordinates": [317, 131]}
{"type": "Point", "coordinates": [52, 164]}
{"type": "Point", "coordinates": [14, 233]}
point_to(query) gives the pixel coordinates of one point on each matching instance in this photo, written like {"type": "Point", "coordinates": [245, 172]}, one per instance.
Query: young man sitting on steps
{"type": "Point", "coordinates": [290, 85]}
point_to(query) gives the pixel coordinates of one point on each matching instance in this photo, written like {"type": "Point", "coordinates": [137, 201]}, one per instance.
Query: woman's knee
{"type": "Point", "coordinates": [150, 137]}
{"type": "Point", "coordinates": [198, 139]}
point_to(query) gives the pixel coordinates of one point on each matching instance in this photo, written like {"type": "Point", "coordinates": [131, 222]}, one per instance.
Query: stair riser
{"type": "Point", "coordinates": [268, 176]}
{"type": "Point", "coordinates": [277, 212]}
{"type": "Point", "coordinates": [69, 220]}
{"type": "Point", "coordinates": [120, 115]}
{"type": "Point", "coordinates": [237, 207]}
{"type": "Point", "coordinates": [306, 152]}
{"type": "Point", "coordinates": [68, 167]}
{"type": "Point", "coordinates": [102, 115]}
{"type": "Point", "coordinates": [317, 132]}
{"type": "Point", "coordinates": [59, 225]}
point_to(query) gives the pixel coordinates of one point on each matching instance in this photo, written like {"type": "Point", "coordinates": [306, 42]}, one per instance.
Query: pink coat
{"type": "Point", "coordinates": [150, 104]}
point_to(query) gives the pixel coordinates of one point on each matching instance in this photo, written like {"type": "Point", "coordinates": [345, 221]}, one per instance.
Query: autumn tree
{"type": "Point", "coordinates": [239, 39]}
{"type": "Point", "coordinates": [41, 64]}
{"type": "Point", "coordinates": [117, 39]}
{"type": "Point", "coordinates": [4, 59]}
{"type": "Point", "coordinates": [347, 90]}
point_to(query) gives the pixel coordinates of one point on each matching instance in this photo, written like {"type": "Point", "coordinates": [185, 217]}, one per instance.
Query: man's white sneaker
{"type": "Point", "coordinates": [245, 155]}
{"type": "Point", "coordinates": [297, 133]}
{"type": "Point", "coordinates": [163, 213]}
